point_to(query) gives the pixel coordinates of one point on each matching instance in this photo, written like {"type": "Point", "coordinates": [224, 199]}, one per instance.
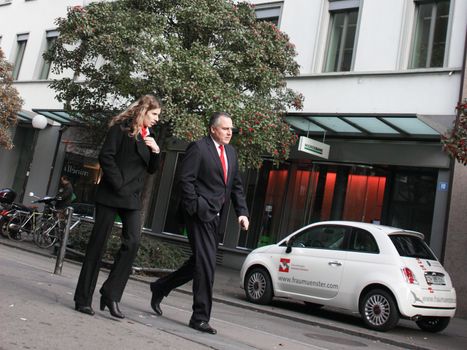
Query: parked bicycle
{"type": "Point", "coordinates": [8, 208]}
{"type": "Point", "coordinates": [43, 227]}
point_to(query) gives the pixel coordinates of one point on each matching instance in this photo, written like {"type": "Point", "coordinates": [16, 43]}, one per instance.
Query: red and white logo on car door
{"type": "Point", "coordinates": [284, 265]}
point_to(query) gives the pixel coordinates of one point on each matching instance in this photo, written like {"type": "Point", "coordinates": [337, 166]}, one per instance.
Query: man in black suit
{"type": "Point", "coordinates": [209, 178]}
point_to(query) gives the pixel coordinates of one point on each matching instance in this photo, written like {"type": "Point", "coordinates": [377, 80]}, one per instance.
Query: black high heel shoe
{"type": "Point", "coordinates": [113, 307]}
{"type": "Point", "coordinates": [85, 309]}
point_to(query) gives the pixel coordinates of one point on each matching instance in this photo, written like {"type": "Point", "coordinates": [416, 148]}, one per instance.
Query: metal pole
{"type": "Point", "coordinates": [61, 253]}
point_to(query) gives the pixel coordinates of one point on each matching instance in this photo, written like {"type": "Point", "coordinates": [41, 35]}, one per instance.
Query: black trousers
{"type": "Point", "coordinates": [200, 267]}
{"type": "Point", "coordinates": [131, 235]}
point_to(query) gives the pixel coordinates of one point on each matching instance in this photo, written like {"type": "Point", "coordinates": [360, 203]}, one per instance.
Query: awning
{"type": "Point", "coordinates": [25, 116]}
{"type": "Point", "coordinates": [371, 126]}
{"type": "Point", "coordinates": [57, 115]}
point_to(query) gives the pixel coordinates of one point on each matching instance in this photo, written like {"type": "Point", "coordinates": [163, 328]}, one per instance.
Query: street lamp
{"type": "Point", "coordinates": [39, 122]}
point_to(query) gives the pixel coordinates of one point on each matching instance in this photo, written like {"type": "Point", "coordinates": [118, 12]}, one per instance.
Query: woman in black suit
{"type": "Point", "coordinates": [128, 153]}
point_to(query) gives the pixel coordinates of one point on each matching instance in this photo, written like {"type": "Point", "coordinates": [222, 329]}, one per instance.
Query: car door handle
{"type": "Point", "coordinates": [337, 263]}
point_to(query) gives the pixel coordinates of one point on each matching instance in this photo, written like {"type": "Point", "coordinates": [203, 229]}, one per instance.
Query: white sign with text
{"type": "Point", "coordinates": [313, 147]}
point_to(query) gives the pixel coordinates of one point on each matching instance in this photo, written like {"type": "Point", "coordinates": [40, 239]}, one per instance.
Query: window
{"type": "Point", "coordinates": [363, 242]}
{"type": "Point", "coordinates": [341, 42]}
{"type": "Point", "coordinates": [323, 237]}
{"type": "Point", "coordinates": [412, 247]}
{"type": "Point", "coordinates": [429, 41]}
{"type": "Point", "coordinates": [269, 13]}
{"type": "Point", "coordinates": [22, 40]}
{"type": "Point", "coordinates": [51, 36]}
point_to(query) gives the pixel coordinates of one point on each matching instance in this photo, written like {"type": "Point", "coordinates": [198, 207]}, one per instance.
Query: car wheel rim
{"type": "Point", "coordinates": [377, 310]}
{"type": "Point", "coordinates": [256, 285]}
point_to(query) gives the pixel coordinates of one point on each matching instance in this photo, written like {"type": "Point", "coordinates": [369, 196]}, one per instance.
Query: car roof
{"type": "Point", "coordinates": [388, 230]}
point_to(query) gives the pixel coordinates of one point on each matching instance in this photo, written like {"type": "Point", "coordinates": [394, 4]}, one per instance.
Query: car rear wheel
{"type": "Point", "coordinates": [433, 324]}
{"type": "Point", "coordinates": [379, 310]}
{"type": "Point", "coordinates": [258, 286]}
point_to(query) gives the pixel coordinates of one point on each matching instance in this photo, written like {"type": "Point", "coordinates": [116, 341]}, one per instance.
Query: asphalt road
{"type": "Point", "coordinates": [36, 309]}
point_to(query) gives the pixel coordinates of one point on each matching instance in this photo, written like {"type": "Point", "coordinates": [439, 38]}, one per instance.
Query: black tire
{"type": "Point", "coordinates": [13, 228]}
{"type": "Point", "coordinates": [379, 311]}
{"type": "Point", "coordinates": [433, 324]}
{"type": "Point", "coordinates": [258, 286]}
{"type": "Point", "coordinates": [3, 223]}
{"type": "Point", "coordinates": [48, 234]}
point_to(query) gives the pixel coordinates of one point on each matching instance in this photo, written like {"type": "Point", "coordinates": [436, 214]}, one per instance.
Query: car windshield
{"type": "Point", "coordinates": [412, 247]}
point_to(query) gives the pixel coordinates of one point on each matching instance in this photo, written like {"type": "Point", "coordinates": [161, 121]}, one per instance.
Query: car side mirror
{"type": "Point", "coordinates": [288, 250]}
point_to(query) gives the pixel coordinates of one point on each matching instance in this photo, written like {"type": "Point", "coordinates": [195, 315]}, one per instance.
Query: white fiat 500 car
{"type": "Point", "coordinates": [383, 273]}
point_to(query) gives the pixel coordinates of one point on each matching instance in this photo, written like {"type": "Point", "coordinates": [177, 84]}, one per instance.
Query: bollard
{"type": "Point", "coordinates": [64, 240]}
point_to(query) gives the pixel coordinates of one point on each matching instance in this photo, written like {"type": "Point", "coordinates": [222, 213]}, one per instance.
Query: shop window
{"type": "Point", "coordinates": [84, 174]}
{"type": "Point", "coordinates": [412, 201]}
{"type": "Point", "coordinates": [343, 30]}
{"type": "Point", "coordinates": [265, 199]}
{"type": "Point", "coordinates": [303, 185]}
{"type": "Point", "coordinates": [172, 220]}
{"type": "Point", "coordinates": [151, 188]}
{"type": "Point", "coordinates": [429, 42]}
{"type": "Point", "coordinates": [21, 41]}
{"type": "Point", "coordinates": [364, 198]}
{"type": "Point", "coordinates": [320, 191]}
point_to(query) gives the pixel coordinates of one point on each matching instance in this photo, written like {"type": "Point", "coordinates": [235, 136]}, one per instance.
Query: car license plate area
{"type": "Point", "coordinates": [435, 278]}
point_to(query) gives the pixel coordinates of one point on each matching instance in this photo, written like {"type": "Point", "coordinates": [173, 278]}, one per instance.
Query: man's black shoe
{"type": "Point", "coordinates": [156, 302]}
{"type": "Point", "coordinates": [202, 326]}
{"type": "Point", "coordinates": [85, 309]}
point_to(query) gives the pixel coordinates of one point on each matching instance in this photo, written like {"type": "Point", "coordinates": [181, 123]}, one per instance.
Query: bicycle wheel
{"type": "Point", "coordinates": [3, 224]}
{"type": "Point", "coordinates": [13, 227]}
{"type": "Point", "coordinates": [47, 234]}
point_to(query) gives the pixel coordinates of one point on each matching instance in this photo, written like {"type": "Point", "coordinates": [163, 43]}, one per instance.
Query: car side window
{"type": "Point", "coordinates": [363, 241]}
{"type": "Point", "coordinates": [322, 237]}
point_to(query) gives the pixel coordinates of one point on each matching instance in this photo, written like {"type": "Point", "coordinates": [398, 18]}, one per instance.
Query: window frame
{"type": "Point", "coordinates": [269, 7]}
{"type": "Point", "coordinates": [337, 7]}
{"type": "Point", "coordinates": [431, 39]}
{"type": "Point", "coordinates": [21, 44]}
{"type": "Point", "coordinates": [50, 37]}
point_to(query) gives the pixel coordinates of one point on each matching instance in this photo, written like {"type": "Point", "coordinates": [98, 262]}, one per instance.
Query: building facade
{"type": "Point", "coordinates": [381, 79]}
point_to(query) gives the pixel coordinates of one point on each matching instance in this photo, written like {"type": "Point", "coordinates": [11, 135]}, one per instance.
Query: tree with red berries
{"type": "Point", "coordinates": [198, 56]}
{"type": "Point", "coordinates": [455, 141]}
{"type": "Point", "coordinates": [10, 102]}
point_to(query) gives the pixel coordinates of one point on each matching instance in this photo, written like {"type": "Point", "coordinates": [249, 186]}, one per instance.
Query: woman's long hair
{"type": "Point", "coordinates": [133, 116]}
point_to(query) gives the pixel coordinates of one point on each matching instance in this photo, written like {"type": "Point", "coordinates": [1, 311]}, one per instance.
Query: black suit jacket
{"type": "Point", "coordinates": [201, 181]}
{"type": "Point", "coordinates": [124, 161]}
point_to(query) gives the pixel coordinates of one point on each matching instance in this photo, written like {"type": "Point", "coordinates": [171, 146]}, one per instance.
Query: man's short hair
{"type": "Point", "coordinates": [215, 117]}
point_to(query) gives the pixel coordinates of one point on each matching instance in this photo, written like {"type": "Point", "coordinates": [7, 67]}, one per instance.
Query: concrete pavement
{"type": "Point", "coordinates": [227, 291]}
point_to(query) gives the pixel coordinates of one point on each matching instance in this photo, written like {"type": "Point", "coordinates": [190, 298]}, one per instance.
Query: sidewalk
{"type": "Point", "coordinates": [227, 290]}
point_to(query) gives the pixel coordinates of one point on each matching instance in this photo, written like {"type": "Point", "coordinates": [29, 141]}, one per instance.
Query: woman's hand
{"type": "Point", "coordinates": [152, 144]}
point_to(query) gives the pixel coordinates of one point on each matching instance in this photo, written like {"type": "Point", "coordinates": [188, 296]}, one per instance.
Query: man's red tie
{"type": "Point", "coordinates": [224, 165]}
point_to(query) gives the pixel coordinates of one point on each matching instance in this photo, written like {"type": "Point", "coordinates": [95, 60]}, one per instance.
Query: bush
{"type": "Point", "coordinates": [152, 253]}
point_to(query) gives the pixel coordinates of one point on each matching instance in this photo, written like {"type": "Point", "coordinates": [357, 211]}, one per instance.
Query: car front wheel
{"type": "Point", "coordinates": [258, 286]}
{"type": "Point", "coordinates": [379, 310]}
{"type": "Point", "coordinates": [433, 324]}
